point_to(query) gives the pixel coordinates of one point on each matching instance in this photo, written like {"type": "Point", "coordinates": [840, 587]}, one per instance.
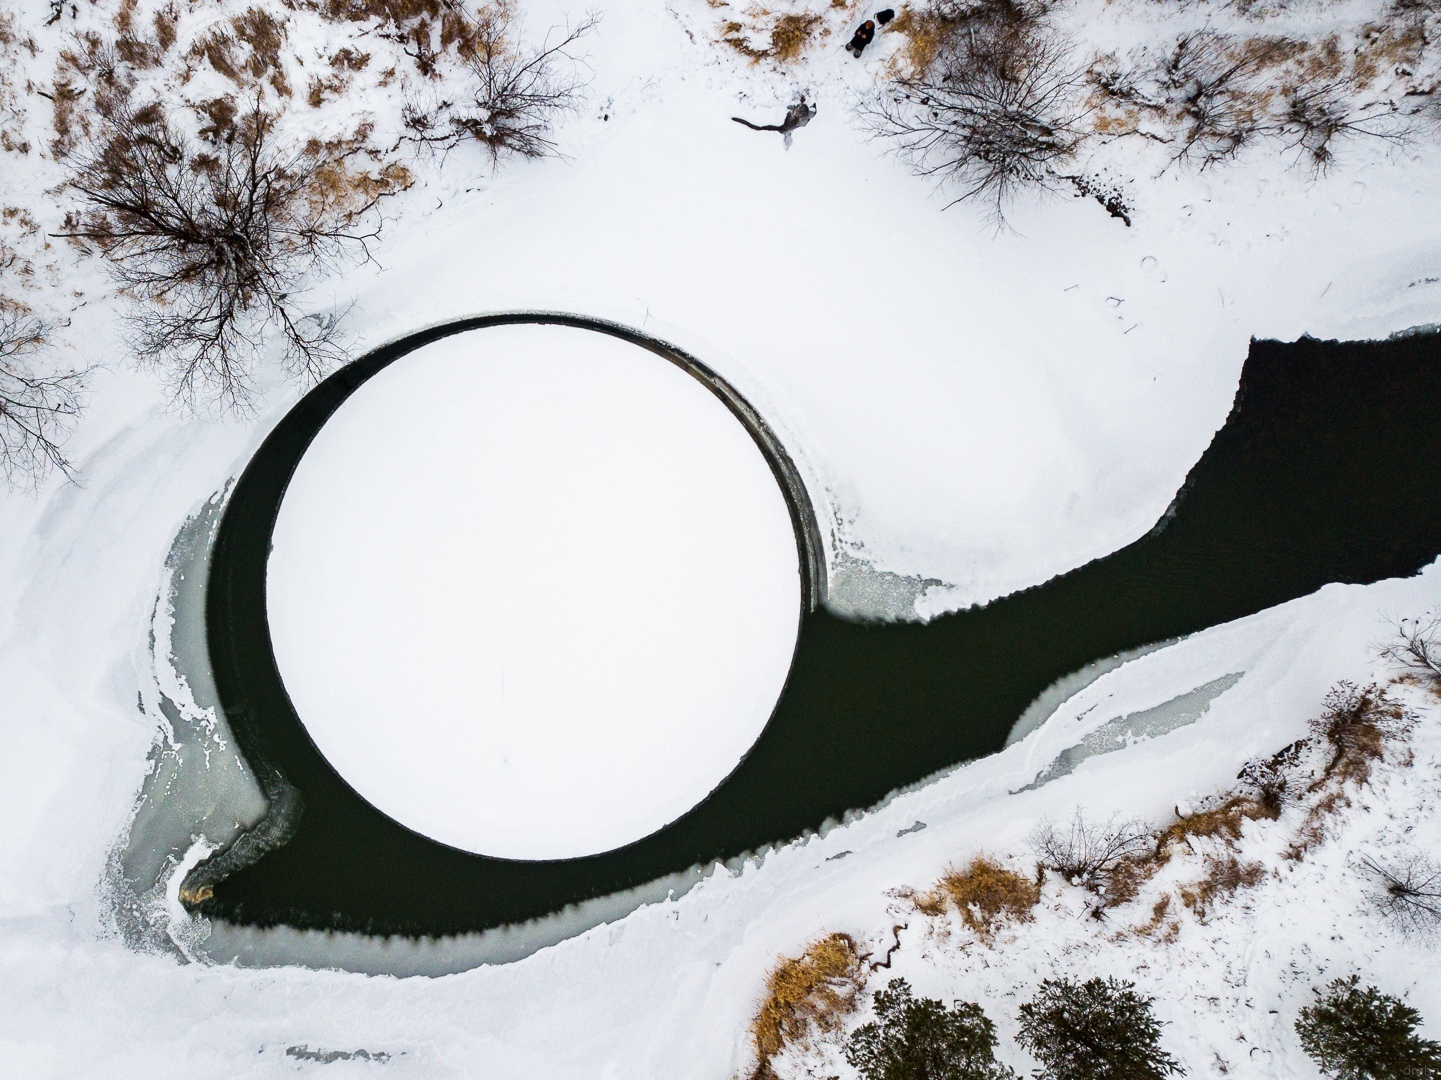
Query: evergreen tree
{"type": "Point", "coordinates": [1096, 1030]}
{"type": "Point", "coordinates": [1363, 1034]}
{"type": "Point", "coordinates": [921, 1039]}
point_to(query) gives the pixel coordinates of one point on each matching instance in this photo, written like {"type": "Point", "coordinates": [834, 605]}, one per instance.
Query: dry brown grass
{"type": "Point", "coordinates": [1213, 94]}
{"type": "Point", "coordinates": [1385, 48]}
{"type": "Point", "coordinates": [426, 29]}
{"type": "Point", "coordinates": [925, 30]}
{"type": "Point", "coordinates": [791, 35]}
{"type": "Point", "coordinates": [737, 37]}
{"type": "Point", "coordinates": [1223, 823]}
{"type": "Point", "coordinates": [1124, 881]}
{"type": "Point", "coordinates": [812, 992]}
{"type": "Point", "coordinates": [320, 90]}
{"type": "Point", "coordinates": [1222, 876]}
{"type": "Point", "coordinates": [1160, 926]}
{"type": "Point", "coordinates": [165, 22]}
{"type": "Point", "coordinates": [248, 53]}
{"type": "Point", "coordinates": [984, 894]}
{"type": "Point", "coordinates": [1359, 724]}
{"type": "Point", "coordinates": [348, 59]}
{"type": "Point", "coordinates": [786, 36]}
{"type": "Point", "coordinates": [402, 13]}
{"type": "Point", "coordinates": [12, 44]}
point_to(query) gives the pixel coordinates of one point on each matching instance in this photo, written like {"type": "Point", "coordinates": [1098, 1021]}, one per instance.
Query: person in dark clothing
{"type": "Point", "coordinates": [883, 17]}
{"type": "Point", "coordinates": [865, 34]}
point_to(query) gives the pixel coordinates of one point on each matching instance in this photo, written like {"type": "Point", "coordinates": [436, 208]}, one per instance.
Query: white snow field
{"type": "Point", "coordinates": [533, 591]}
{"type": "Point", "coordinates": [982, 408]}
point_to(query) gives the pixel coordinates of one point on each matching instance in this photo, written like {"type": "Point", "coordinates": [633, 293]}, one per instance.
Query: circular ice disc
{"type": "Point", "coordinates": [533, 591]}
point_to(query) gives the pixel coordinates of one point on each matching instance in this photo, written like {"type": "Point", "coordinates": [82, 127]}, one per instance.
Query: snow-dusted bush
{"type": "Point", "coordinates": [1357, 1033]}
{"type": "Point", "coordinates": [1407, 893]}
{"type": "Point", "coordinates": [506, 98]}
{"type": "Point", "coordinates": [1273, 779]}
{"type": "Point", "coordinates": [1211, 95]}
{"type": "Point", "coordinates": [37, 408]}
{"type": "Point", "coordinates": [993, 103]}
{"type": "Point", "coordinates": [1096, 1030]}
{"type": "Point", "coordinates": [1415, 646]}
{"type": "Point", "coordinates": [217, 231]}
{"type": "Point", "coordinates": [1089, 853]}
{"type": "Point", "coordinates": [921, 1039]}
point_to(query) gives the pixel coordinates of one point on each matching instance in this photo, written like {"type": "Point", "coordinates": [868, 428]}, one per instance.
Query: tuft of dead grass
{"type": "Point", "coordinates": [925, 30]}
{"type": "Point", "coordinates": [1358, 724]}
{"type": "Point", "coordinates": [984, 894]}
{"type": "Point", "coordinates": [425, 29]}
{"type": "Point", "coordinates": [1222, 876]}
{"type": "Point", "coordinates": [1223, 823]}
{"type": "Point", "coordinates": [811, 992]}
{"type": "Point", "coordinates": [248, 53]}
{"type": "Point", "coordinates": [785, 36]}
{"type": "Point", "coordinates": [1161, 926]}
{"type": "Point", "coordinates": [791, 34]}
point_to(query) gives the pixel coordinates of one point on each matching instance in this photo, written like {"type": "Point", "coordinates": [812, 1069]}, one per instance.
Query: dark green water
{"type": "Point", "coordinates": [1323, 472]}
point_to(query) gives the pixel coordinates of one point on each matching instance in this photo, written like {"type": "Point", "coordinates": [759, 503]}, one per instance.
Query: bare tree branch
{"type": "Point", "coordinates": [1408, 893]}
{"type": "Point", "coordinates": [37, 410]}
{"type": "Point", "coordinates": [996, 110]}
{"type": "Point", "coordinates": [513, 96]}
{"type": "Point", "coordinates": [1087, 853]}
{"type": "Point", "coordinates": [1415, 646]}
{"type": "Point", "coordinates": [218, 235]}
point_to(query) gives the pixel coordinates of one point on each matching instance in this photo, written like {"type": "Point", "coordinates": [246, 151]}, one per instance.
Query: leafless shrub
{"type": "Point", "coordinates": [512, 96]}
{"type": "Point", "coordinates": [1274, 779]}
{"type": "Point", "coordinates": [1415, 646]}
{"type": "Point", "coordinates": [1358, 722]}
{"type": "Point", "coordinates": [218, 235]}
{"type": "Point", "coordinates": [37, 409]}
{"type": "Point", "coordinates": [1218, 94]}
{"type": "Point", "coordinates": [1089, 853]}
{"type": "Point", "coordinates": [1408, 893]}
{"type": "Point", "coordinates": [1210, 85]}
{"type": "Point", "coordinates": [1314, 118]}
{"type": "Point", "coordinates": [995, 108]}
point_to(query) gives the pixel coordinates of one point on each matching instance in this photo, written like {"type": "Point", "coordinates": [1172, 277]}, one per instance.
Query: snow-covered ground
{"type": "Point", "coordinates": [668, 990]}
{"type": "Point", "coordinates": [977, 407]}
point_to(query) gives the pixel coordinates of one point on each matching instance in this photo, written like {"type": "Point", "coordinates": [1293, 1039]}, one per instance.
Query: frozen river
{"type": "Point", "coordinates": [1310, 481]}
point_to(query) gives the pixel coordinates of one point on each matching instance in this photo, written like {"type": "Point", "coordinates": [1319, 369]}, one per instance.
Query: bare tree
{"type": "Point", "coordinates": [511, 97]}
{"type": "Point", "coordinates": [996, 110]}
{"type": "Point", "coordinates": [1087, 853]}
{"type": "Point", "coordinates": [218, 234]}
{"type": "Point", "coordinates": [1415, 646]}
{"type": "Point", "coordinates": [37, 409]}
{"type": "Point", "coordinates": [1407, 894]}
